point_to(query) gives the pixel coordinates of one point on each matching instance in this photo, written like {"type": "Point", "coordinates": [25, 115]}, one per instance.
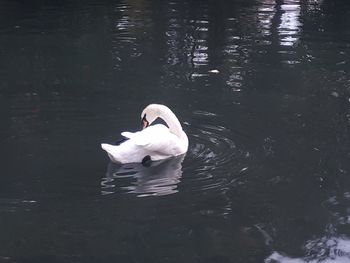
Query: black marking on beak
{"type": "Point", "coordinates": [144, 122]}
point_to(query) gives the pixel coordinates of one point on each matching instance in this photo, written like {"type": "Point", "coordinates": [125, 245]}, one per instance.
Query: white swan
{"type": "Point", "coordinates": [154, 142]}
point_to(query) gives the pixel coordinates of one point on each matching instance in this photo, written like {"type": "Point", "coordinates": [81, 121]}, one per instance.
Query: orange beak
{"type": "Point", "coordinates": [145, 124]}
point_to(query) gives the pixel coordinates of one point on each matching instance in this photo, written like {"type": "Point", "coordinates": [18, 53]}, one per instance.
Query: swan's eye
{"type": "Point", "coordinates": [145, 122]}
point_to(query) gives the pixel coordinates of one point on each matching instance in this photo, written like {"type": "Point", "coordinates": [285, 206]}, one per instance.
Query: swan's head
{"type": "Point", "coordinates": [151, 113]}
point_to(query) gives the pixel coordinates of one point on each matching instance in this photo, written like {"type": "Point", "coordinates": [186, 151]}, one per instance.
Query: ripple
{"type": "Point", "coordinates": [12, 205]}
{"type": "Point", "coordinates": [324, 249]}
{"type": "Point", "coordinates": [214, 160]}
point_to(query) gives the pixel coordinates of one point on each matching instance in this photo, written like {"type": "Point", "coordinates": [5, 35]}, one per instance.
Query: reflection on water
{"type": "Point", "coordinates": [323, 250]}
{"type": "Point", "coordinates": [16, 205]}
{"type": "Point", "coordinates": [262, 87]}
{"type": "Point", "coordinates": [290, 26]}
{"type": "Point", "coordinates": [187, 41]}
{"type": "Point", "coordinates": [211, 152]}
{"type": "Point", "coordinates": [330, 247]}
{"type": "Point", "coordinates": [129, 25]}
{"type": "Point", "coordinates": [158, 179]}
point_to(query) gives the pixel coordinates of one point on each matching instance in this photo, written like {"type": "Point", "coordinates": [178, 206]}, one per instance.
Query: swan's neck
{"type": "Point", "coordinates": [173, 123]}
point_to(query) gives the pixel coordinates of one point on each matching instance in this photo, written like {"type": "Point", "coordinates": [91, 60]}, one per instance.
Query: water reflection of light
{"type": "Point", "coordinates": [279, 27]}
{"type": "Point", "coordinates": [173, 36]}
{"type": "Point", "coordinates": [160, 178]}
{"type": "Point", "coordinates": [187, 41]}
{"type": "Point", "coordinates": [199, 56]}
{"type": "Point", "coordinates": [234, 56]}
{"type": "Point", "coordinates": [128, 26]}
{"type": "Point", "coordinates": [332, 246]}
{"type": "Point", "coordinates": [198, 52]}
{"type": "Point", "coordinates": [289, 26]}
{"type": "Point", "coordinates": [265, 16]}
{"type": "Point", "coordinates": [12, 205]}
{"type": "Point", "coordinates": [285, 16]}
{"type": "Point", "coordinates": [322, 250]}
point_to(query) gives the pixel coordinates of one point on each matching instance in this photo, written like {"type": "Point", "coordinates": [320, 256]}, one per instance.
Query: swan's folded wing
{"type": "Point", "coordinates": [163, 148]}
{"type": "Point", "coordinates": [158, 140]}
{"type": "Point", "coordinates": [140, 138]}
{"type": "Point", "coordinates": [128, 134]}
{"type": "Point", "coordinates": [154, 140]}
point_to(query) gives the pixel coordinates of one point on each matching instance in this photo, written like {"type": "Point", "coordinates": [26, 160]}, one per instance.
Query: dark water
{"type": "Point", "coordinates": [261, 87]}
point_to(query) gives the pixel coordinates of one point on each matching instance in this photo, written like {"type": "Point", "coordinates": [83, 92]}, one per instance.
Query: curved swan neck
{"type": "Point", "coordinates": [171, 120]}
{"type": "Point", "coordinates": [154, 111]}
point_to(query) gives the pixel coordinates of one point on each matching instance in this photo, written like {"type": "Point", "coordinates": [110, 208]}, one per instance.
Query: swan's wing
{"type": "Point", "coordinates": [138, 138]}
{"type": "Point", "coordinates": [128, 134]}
{"type": "Point", "coordinates": [155, 138]}
{"type": "Point", "coordinates": [156, 141]}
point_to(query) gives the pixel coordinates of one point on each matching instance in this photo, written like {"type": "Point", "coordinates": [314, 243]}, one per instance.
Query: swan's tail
{"type": "Point", "coordinates": [110, 149]}
{"type": "Point", "coordinates": [107, 147]}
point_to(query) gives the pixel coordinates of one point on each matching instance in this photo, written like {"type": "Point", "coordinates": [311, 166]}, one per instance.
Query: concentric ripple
{"type": "Point", "coordinates": [214, 160]}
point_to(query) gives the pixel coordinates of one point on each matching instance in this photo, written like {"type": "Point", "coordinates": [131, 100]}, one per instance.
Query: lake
{"type": "Point", "coordinates": [261, 87]}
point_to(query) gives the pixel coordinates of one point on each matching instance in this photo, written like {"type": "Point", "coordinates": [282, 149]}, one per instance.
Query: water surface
{"type": "Point", "coordinates": [261, 88]}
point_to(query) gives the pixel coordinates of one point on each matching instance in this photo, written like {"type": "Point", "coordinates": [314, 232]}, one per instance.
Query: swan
{"type": "Point", "coordinates": [152, 143]}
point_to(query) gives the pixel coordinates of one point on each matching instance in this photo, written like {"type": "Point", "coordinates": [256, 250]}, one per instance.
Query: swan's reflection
{"type": "Point", "coordinates": [159, 178]}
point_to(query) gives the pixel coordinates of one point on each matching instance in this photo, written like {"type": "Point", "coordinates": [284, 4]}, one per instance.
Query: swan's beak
{"type": "Point", "coordinates": [145, 123]}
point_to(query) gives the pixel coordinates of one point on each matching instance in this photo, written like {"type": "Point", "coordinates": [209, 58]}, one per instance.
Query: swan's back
{"type": "Point", "coordinates": [155, 141]}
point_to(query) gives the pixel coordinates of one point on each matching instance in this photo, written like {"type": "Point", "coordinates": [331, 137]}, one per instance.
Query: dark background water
{"type": "Point", "coordinates": [266, 177]}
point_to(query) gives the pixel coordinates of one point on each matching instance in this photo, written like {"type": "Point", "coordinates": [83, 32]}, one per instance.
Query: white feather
{"type": "Point", "coordinates": [157, 141]}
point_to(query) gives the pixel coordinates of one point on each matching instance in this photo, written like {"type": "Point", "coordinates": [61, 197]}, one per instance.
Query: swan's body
{"type": "Point", "coordinates": [156, 142]}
